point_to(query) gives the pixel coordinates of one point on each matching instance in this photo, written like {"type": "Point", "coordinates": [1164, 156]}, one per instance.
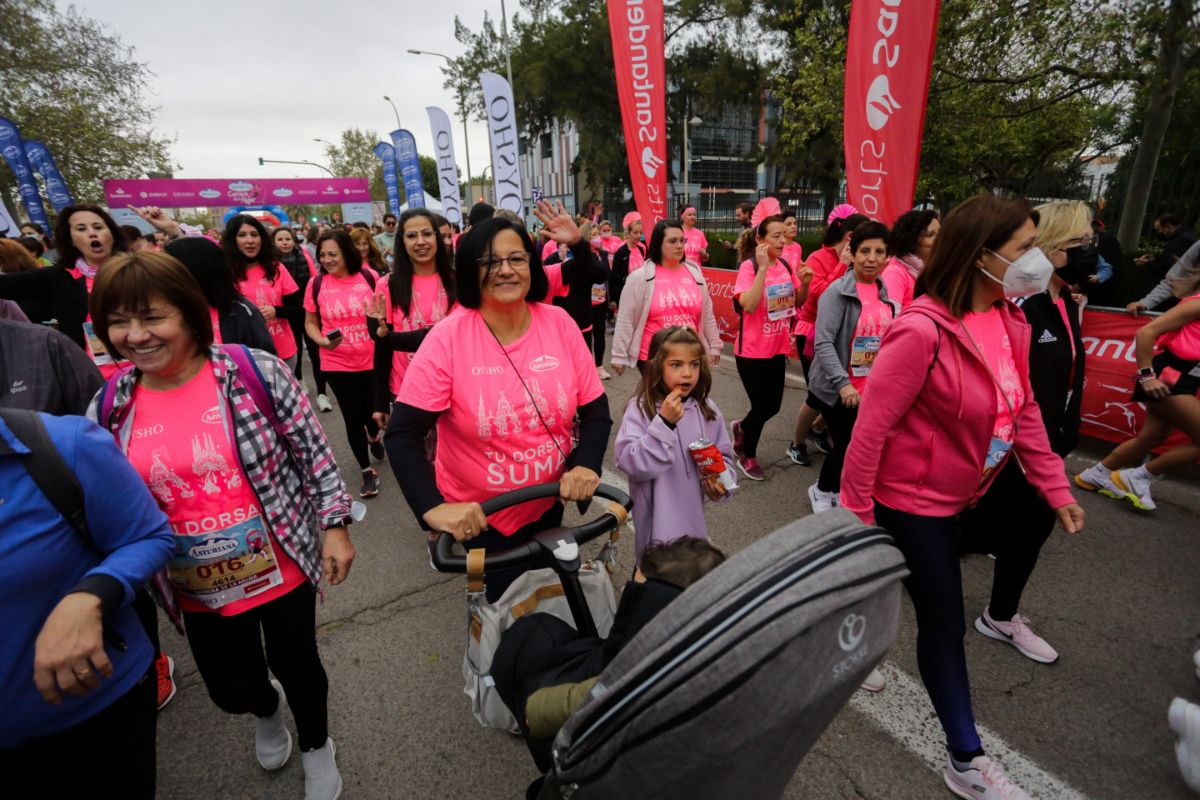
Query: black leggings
{"type": "Point", "coordinates": [805, 361]}
{"type": "Point", "coordinates": [763, 380]}
{"type": "Point", "coordinates": [353, 391]}
{"type": "Point", "coordinates": [841, 426]}
{"type": "Point", "coordinates": [229, 655]}
{"type": "Point", "coordinates": [595, 337]}
{"type": "Point", "coordinates": [1012, 522]}
{"type": "Point", "coordinates": [314, 355]}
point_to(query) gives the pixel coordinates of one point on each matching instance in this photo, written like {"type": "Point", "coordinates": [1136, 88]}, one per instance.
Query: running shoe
{"type": "Point", "coordinates": [323, 403]}
{"type": "Point", "coordinates": [1184, 719]}
{"type": "Point", "coordinates": [1017, 633]}
{"type": "Point", "coordinates": [751, 469]}
{"type": "Point", "coordinates": [370, 485]}
{"type": "Point", "coordinates": [820, 440]}
{"type": "Point", "coordinates": [164, 668]}
{"type": "Point", "coordinates": [603, 373]}
{"type": "Point", "coordinates": [376, 446]}
{"type": "Point", "coordinates": [1095, 479]}
{"type": "Point", "coordinates": [874, 682]}
{"type": "Point", "coordinates": [272, 740]}
{"type": "Point", "coordinates": [798, 453]}
{"type": "Point", "coordinates": [983, 780]}
{"type": "Point", "coordinates": [1134, 486]}
{"type": "Point", "coordinates": [739, 438]}
{"type": "Point", "coordinates": [322, 781]}
{"type": "Point", "coordinates": [821, 501]}
{"type": "Point", "coordinates": [1196, 658]}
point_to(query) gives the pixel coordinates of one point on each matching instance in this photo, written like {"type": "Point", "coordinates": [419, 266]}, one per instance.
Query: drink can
{"type": "Point", "coordinates": [707, 457]}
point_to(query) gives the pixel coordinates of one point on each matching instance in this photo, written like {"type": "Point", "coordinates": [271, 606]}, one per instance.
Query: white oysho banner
{"type": "Point", "coordinates": [447, 167]}
{"type": "Point", "coordinates": [503, 133]}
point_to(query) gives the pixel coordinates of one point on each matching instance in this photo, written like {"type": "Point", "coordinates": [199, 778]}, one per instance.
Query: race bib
{"type": "Point", "coordinates": [226, 565]}
{"type": "Point", "coordinates": [997, 451]}
{"type": "Point", "coordinates": [781, 301]}
{"type": "Point", "coordinates": [599, 293]}
{"type": "Point", "coordinates": [862, 355]}
{"type": "Point", "coordinates": [96, 349]}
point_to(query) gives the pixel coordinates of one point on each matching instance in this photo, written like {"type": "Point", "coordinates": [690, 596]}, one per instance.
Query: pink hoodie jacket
{"type": "Point", "coordinates": [927, 417]}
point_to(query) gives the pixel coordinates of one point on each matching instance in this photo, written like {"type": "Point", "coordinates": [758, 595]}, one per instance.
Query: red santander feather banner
{"type": "Point", "coordinates": [637, 42]}
{"type": "Point", "coordinates": [889, 54]}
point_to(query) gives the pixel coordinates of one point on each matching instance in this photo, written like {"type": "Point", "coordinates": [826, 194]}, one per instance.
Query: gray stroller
{"type": "Point", "coordinates": [723, 693]}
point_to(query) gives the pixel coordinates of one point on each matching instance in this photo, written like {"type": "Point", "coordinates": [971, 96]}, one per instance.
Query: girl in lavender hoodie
{"type": "Point", "coordinates": [669, 411]}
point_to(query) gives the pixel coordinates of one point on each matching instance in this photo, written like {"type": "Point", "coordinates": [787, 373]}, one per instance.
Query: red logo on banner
{"type": "Point", "coordinates": [637, 39]}
{"type": "Point", "coordinates": [888, 57]}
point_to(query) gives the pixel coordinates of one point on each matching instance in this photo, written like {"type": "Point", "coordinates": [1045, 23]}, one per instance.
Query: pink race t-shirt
{"type": "Point", "coordinates": [226, 559]}
{"type": "Point", "coordinates": [555, 279]}
{"type": "Point", "coordinates": [991, 339]}
{"type": "Point", "coordinates": [1185, 342]}
{"type": "Point", "coordinates": [899, 280]}
{"type": "Point", "coordinates": [216, 323]}
{"type": "Point", "coordinates": [263, 292]}
{"type": "Point", "coordinates": [872, 324]}
{"type": "Point", "coordinates": [429, 306]}
{"type": "Point", "coordinates": [344, 307]}
{"type": "Point", "coordinates": [793, 254]}
{"type": "Point", "coordinates": [611, 244]}
{"type": "Point", "coordinates": [675, 300]}
{"type": "Point", "coordinates": [491, 437]}
{"type": "Point", "coordinates": [694, 241]}
{"type": "Point", "coordinates": [637, 257]}
{"type": "Point", "coordinates": [766, 331]}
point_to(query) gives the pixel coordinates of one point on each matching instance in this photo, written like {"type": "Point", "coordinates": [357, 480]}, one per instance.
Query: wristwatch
{"type": "Point", "coordinates": [1145, 374]}
{"type": "Point", "coordinates": [339, 522]}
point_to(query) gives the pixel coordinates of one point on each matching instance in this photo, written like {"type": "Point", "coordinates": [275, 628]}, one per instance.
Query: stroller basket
{"type": "Point", "coordinates": [725, 691]}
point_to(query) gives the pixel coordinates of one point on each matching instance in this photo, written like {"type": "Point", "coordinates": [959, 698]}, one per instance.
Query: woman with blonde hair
{"type": "Point", "coordinates": [368, 248]}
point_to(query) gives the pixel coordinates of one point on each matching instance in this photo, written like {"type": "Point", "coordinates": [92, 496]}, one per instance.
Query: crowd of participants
{"type": "Point", "coordinates": [474, 363]}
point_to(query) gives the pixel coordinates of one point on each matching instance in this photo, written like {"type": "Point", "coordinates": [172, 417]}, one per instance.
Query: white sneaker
{"type": "Point", "coordinates": [322, 781]}
{"type": "Point", "coordinates": [603, 373]}
{"type": "Point", "coordinates": [983, 780]}
{"type": "Point", "coordinates": [874, 682]}
{"type": "Point", "coordinates": [1196, 658]}
{"type": "Point", "coordinates": [1094, 479]}
{"type": "Point", "coordinates": [1133, 484]}
{"type": "Point", "coordinates": [272, 741]}
{"type": "Point", "coordinates": [821, 501]}
{"type": "Point", "coordinates": [323, 403]}
{"type": "Point", "coordinates": [1184, 719]}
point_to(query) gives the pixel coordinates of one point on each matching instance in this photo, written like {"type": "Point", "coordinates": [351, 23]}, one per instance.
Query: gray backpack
{"type": "Point", "coordinates": [723, 693]}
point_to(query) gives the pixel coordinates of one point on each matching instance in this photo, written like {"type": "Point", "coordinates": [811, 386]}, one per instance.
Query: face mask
{"type": "Point", "coordinates": [595, 242]}
{"type": "Point", "coordinates": [1081, 265]}
{"type": "Point", "coordinates": [1029, 274]}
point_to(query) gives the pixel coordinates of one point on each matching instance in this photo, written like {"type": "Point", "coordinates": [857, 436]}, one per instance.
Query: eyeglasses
{"type": "Point", "coordinates": [1079, 241]}
{"type": "Point", "coordinates": [413, 236]}
{"type": "Point", "coordinates": [517, 261]}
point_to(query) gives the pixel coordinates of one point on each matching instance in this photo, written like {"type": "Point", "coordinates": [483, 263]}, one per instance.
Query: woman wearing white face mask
{"type": "Point", "coordinates": [958, 404]}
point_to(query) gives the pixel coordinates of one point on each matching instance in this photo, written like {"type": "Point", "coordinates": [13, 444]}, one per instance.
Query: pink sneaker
{"type": "Point", "coordinates": [983, 780]}
{"type": "Point", "coordinates": [1017, 633]}
{"type": "Point", "coordinates": [739, 438]}
{"type": "Point", "coordinates": [751, 469]}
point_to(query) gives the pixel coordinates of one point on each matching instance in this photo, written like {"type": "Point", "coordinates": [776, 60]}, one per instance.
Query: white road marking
{"type": "Point", "coordinates": [903, 711]}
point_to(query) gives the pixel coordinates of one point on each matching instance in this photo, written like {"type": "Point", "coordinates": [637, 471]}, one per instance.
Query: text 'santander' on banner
{"type": "Point", "coordinates": [889, 54]}
{"type": "Point", "coordinates": [637, 39]}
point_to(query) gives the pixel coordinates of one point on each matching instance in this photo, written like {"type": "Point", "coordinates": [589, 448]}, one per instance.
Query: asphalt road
{"type": "Point", "coordinates": [1121, 603]}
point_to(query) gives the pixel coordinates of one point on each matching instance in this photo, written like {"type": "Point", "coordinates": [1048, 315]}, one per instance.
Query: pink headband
{"type": "Point", "coordinates": [767, 207]}
{"type": "Point", "coordinates": [841, 212]}
{"type": "Point", "coordinates": [629, 219]}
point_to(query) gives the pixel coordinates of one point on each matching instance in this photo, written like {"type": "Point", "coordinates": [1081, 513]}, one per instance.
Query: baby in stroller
{"type": "Point", "coordinates": [543, 668]}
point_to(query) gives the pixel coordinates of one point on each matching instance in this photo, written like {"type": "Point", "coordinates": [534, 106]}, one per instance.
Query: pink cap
{"type": "Point", "coordinates": [767, 207]}
{"type": "Point", "coordinates": [841, 212]}
{"type": "Point", "coordinates": [629, 219]}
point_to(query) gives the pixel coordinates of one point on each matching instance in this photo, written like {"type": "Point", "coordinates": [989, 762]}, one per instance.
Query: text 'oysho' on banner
{"type": "Point", "coordinates": [447, 166]}
{"type": "Point", "coordinates": [503, 133]}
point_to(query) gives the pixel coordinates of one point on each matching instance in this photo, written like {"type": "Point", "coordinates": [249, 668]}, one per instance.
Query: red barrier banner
{"type": "Point", "coordinates": [636, 27]}
{"type": "Point", "coordinates": [720, 289]}
{"type": "Point", "coordinates": [889, 54]}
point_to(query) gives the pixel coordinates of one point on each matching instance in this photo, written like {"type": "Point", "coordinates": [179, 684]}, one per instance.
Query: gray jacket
{"type": "Point", "coordinates": [43, 370]}
{"type": "Point", "coordinates": [1183, 279]}
{"type": "Point", "coordinates": [837, 316]}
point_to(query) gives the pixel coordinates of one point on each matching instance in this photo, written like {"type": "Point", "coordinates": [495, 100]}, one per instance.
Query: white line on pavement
{"type": "Point", "coordinates": [902, 710]}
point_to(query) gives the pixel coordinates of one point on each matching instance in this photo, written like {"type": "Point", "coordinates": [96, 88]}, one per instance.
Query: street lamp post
{"type": "Point", "coordinates": [262, 161]}
{"type": "Point", "coordinates": [394, 111]}
{"type": "Point", "coordinates": [462, 110]}
{"type": "Point", "coordinates": [687, 185]}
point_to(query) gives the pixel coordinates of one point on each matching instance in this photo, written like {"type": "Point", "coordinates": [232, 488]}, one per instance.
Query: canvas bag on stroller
{"type": "Point", "coordinates": [538, 590]}
{"type": "Point", "coordinates": [723, 693]}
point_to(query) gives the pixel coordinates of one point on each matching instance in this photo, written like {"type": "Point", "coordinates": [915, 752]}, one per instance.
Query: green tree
{"type": "Point", "coordinates": [70, 82]}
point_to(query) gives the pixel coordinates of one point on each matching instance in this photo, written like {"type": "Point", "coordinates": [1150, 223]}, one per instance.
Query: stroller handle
{"type": "Point", "coordinates": [444, 559]}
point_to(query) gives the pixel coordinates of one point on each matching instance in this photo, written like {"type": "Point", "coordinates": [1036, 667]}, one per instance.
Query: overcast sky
{"type": "Point", "coordinates": [238, 80]}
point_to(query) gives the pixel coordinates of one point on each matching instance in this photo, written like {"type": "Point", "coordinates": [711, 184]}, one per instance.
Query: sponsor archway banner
{"type": "Point", "coordinates": [889, 54]}
{"type": "Point", "coordinates": [503, 134]}
{"type": "Point", "coordinates": [13, 151]}
{"type": "Point", "coordinates": [205, 192]}
{"type": "Point", "coordinates": [387, 154]}
{"type": "Point", "coordinates": [44, 164]}
{"type": "Point", "coordinates": [636, 27]}
{"type": "Point", "coordinates": [447, 167]}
